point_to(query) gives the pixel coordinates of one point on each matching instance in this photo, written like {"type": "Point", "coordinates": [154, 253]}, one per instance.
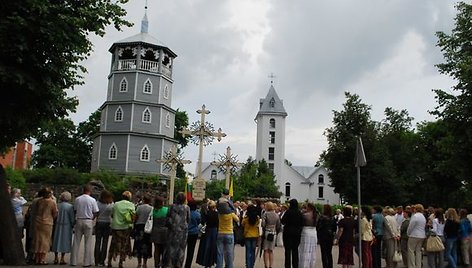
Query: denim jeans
{"type": "Point", "coordinates": [250, 244]}
{"type": "Point", "coordinates": [451, 252]}
{"type": "Point", "coordinates": [225, 250]}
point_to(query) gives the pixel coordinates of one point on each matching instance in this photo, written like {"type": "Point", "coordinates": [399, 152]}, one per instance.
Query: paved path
{"type": "Point", "coordinates": [239, 260]}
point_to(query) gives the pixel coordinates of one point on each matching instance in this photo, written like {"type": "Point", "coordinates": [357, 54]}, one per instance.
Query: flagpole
{"type": "Point", "coordinates": [360, 161]}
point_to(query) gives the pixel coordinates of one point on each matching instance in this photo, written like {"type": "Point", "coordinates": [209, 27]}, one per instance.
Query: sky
{"type": "Point", "coordinates": [382, 50]}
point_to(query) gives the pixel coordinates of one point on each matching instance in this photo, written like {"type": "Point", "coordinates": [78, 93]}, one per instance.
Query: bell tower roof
{"type": "Point", "coordinates": [271, 104]}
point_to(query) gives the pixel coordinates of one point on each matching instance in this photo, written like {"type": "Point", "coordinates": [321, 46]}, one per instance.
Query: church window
{"type": "Point", "coordinates": [320, 192]}
{"type": "Point", "coordinates": [113, 152]}
{"type": "Point", "coordinates": [213, 174]}
{"type": "Point", "coordinates": [144, 155]}
{"type": "Point", "coordinates": [287, 189]}
{"type": "Point", "coordinates": [321, 179]}
{"type": "Point", "coordinates": [271, 166]}
{"type": "Point", "coordinates": [272, 123]}
{"type": "Point", "coordinates": [124, 85]}
{"type": "Point", "coordinates": [166, 92]}
{"type": "Point", "coordinates": [272, 103]}
{"type": "Point", "coordinates": [147, 88]}
{"type": "Point", "coordinates": [119, 114]}
{"type": "Point", "coordinates": [146, 115]}
{"type": "Point", "coordinates": [271, 153]}
{"type": "Point", "coordinates": [167, 120]}
{"type": "Point", "coordinates": [272, 137]}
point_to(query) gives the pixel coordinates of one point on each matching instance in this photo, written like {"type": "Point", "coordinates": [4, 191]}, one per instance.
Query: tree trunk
{"type": "Point", "coordinates": [11, 248]}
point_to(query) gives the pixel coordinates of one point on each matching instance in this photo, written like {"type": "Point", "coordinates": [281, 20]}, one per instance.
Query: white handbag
{"type": "Point", "coordinates": [149, 223]}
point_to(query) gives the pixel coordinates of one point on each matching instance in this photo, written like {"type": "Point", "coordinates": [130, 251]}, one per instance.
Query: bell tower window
{"type": "Point", "coordinates": [144, 155]}
{"type": "Point", "coordinates": [272, 103]}
{"type": "Point", "coordinates": [146, 115]}
{"type": "Point", "coordinates": [166, 92]}
{"type": "Point", "coordinates": [124, 85]}
{"type": "Point", "coordinates": [271, 137]}
{"type": "Point", "coordinates": [272, 123]}
{"type": "Point", "coordinates": [147, 88]}
{"type": "Point", "coordinates": [119, 114]}
{"type": "Point", "coordinates": [271, 153]}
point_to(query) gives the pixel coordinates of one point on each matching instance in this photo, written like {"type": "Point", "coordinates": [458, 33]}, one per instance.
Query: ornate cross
{"type": "Point", "coordinates": [202, 134]}
{"type": "Point", "coordinates": [227, 163]}
{"type": "Point", "coordinates": [170, 160]}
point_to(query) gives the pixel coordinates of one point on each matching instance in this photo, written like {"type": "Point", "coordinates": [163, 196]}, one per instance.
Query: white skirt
{"type": "Point", "coordinates": [307, 247]}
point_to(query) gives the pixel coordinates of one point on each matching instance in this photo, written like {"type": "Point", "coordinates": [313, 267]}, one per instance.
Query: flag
{"type": "Point", "coordinates": [360, 155]}
{"type": "Point", "coordinates": [231, 187]}
{"type": "Point", "coordinates": [188, 190]}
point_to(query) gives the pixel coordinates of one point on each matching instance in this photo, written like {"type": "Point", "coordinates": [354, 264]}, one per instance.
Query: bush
{"type": "Point", "coordinates": [15, 178]}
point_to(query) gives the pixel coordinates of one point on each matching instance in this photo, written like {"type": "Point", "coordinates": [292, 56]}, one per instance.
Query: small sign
{"type": "Point", "coordinates": [198, 186]}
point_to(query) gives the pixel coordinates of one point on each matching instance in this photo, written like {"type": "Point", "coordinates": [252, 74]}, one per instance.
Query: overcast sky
{"type": "Point", "coordinates": [383, 50]}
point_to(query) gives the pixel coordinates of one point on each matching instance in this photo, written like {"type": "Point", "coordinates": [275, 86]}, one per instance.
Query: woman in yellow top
{"type": "Point", "coordinates": [367, 237]}
{"type": "Point", "coordinates": [251, 234]}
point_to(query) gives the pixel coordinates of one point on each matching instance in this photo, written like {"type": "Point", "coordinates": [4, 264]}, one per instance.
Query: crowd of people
{"type": "Point", "coordinates": [397, 235]}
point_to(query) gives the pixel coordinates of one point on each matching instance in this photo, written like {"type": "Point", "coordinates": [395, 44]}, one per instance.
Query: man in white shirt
{"type": "Point", "coordinates": [86, 210]}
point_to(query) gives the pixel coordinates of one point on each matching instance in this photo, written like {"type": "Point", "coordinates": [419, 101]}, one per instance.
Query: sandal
{"type": "Point", "coordinates": [62, 263]}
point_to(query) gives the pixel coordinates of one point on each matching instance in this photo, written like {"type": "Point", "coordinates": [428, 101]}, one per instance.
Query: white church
{"type": "Point", "coordinates": [300, 182]}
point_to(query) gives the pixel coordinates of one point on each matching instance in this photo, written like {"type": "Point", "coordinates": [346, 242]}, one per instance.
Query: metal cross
{"type": "Point", "coordinates": [227, 163]}
{"type": "Point", "coordinates": [272, 76]}
{"type": "Point", "coordinates": [202, 134]}
{"type": "Point", "coordinates": [170, 160]}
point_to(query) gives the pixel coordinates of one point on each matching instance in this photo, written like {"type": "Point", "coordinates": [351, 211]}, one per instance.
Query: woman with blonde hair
{"type": "Point", "coordinates": [270, 226]}
{"type": "Point", "coordinates": [451, 231]}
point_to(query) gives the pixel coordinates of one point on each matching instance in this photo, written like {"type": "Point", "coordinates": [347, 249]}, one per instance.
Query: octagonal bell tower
{"type": "Point", "coordinates": [137, 121]}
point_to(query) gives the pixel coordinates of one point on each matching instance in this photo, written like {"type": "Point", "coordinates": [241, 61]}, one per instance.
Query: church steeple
{"type": "Point", "coordinates": [145, 22]}
{"type": "Point", "coordinates": [271, 104]}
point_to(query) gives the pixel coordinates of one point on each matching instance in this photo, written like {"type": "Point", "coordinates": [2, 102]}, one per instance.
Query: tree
{"type": "Point", "coordinates": [42, 43]}
{"type": "Point", "coordinates": [181, 122]}
{"type": "Point", "coordinates": [455, 110]}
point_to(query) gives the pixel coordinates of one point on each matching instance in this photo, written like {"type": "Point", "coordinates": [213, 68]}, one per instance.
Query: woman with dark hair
{"type": "Point", "coordinates": [211, 232]}
{"type": "Point", "coordinates": [64, 225]}
{"type": "Point", "coordinates": [345, 238]}
{"type": "Point", "coordinates": [308, 240]}
{"type": "Point", "coordinates": [102, 227]}
{"type": "Point", "coordinates": [123, 214]}
{"type": "Point", "coordinates": [367, 237]}
{"type": "Point", "coordinates": [142, 241]}
{"type": "Point", "coordinates": [250, 225]}
{"type": "Point", "coordinates": [326, 228]}
{"type": "Point", "coordinates": [159, 230]}
{"type": "Point", "coordinates": [192, 232]}
{"type": "Point", "coordinates": [404, 236]}
{"type": "Point", "coordinates": [179, 218]}
{"type": "Point", "coordinates": [436, 259]}
{"type": "Point", "coordinates": [46, 212]}
{"type": "Point", "coordinates": [293, 224]}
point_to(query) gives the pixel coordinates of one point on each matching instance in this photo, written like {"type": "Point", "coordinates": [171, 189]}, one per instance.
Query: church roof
{"type": "Point", "coordinates": [272, 104]}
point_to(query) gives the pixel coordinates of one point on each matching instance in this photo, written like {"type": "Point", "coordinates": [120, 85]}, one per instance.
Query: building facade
{"type": "Point", "coordinates": [18, 157]}
{"type": "Point", "coordinates": [137, 121]}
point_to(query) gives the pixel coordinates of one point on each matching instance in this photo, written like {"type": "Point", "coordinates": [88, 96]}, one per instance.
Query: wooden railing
{"type": "Point", "coordinates": [146, 65]}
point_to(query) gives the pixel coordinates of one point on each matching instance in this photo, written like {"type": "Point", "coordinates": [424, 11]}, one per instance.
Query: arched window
{"type": "Point", "coordinates": [287, 189]}
{"type": "Point", "coordinates": [213, 174]}
{"type": "Point", "coordinates": [272, 103]}
{"type": "Point", "coordinates": [321, 179]}
{"type": "Point", "coordinates": [146, 115]}
{"type": "Point", "coordinates": [147, 87]}
{"type": "Point", "coordinates": [166, 92]}
{"type": "Point", "coordinates": [144, 155]}
{"type": "Point", "coordinates": [272, 123]}
{"type": "Point", "coordinates": [167, 120]}
{"type": "Point", "coordinates": [112, 152]}
{"type": "Point", "coordinates": [124, 85]}
{"type": "Point", "coordinates": [119, 114]}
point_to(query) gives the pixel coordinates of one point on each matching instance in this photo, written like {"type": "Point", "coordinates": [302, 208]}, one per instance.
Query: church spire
{"type": "Point", "coordinates": [145, 22]}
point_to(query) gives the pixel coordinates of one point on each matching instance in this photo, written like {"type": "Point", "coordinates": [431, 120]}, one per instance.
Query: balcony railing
{"type": "Point", "coordinates": [146, 65]}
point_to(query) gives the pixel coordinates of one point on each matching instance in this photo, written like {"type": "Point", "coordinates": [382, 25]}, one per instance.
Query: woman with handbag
{"type": "Point", "coordinates": [436, 258]}
{"type": "Point", "coordinates": [142, 241]}
{"type": "Point", "coordinates": [271, 226]}
{"type": "Point", "coordinates": [391, 239]}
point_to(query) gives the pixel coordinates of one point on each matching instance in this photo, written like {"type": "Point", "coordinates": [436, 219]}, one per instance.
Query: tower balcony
{"type": "Point", "coordinates": [143, 65]}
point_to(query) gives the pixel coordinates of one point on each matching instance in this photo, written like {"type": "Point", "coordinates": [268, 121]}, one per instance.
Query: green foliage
{"type": "Point", "coordinates": [214, 189]}
{"type": "Point", "coordinates": [56, 176]}
{"type": "Point", "coordinates": [15, 178]}
{"type": "Point", "coordinates": [255, 179]}
{"type": "Point", "coordinates": [42, 43]}
{"type": "Point", "coordinates": [455, 109]}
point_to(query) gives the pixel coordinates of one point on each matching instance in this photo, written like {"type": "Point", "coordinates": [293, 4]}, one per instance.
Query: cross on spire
{"type": "Point", "coordinates": [272, 76]}
{"type": "Point", "coordinates": [145, 22]}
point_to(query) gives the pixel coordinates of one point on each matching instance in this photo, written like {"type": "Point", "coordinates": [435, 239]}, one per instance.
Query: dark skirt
{"type": "Point", "coordinates": [346, 255]}
{"type": "Point", "coordinates": [207, 249]}
{"type": "Point", "coordinates": [142, 243]}
{"type": "Point", "coordinates": [120, 244]}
